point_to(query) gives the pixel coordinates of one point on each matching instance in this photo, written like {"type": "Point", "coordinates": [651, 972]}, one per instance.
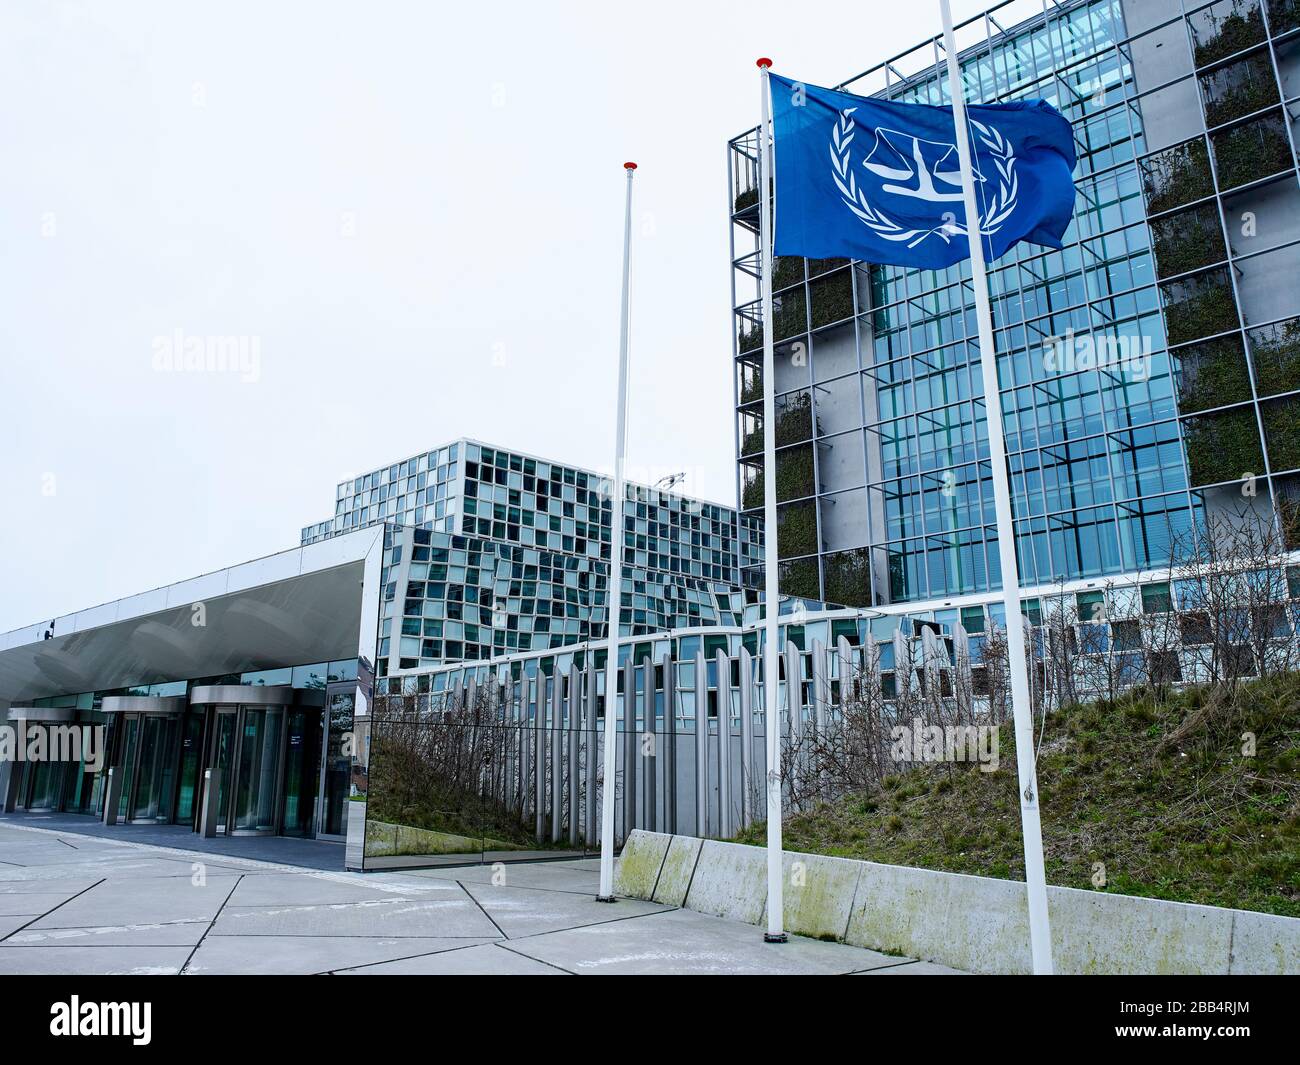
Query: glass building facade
{"type": "Point", "coordinates": [424, 490]}
{"type": "Point", "coordinates": [489, 552]}
{"type": "Point", "coordinates": [452, 598]}
{"type": "Point", "coordinates": [1149, 370]}
{"type": "Point", "coordinates": [160, 753]}
{"type": "Point", "coordinates": [489, 493]}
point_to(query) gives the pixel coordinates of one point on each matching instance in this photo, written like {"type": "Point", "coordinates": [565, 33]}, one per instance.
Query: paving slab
{"type": "Point", "coordinates": [70, 885]}
{"type": "Point", "coordinates": [53, 853]}
{"type": "Point", "coordinates": [22, 856]}
{"type": "Point", "coordinates": [32, 904]}
{"type": "Point", "coordinates": [122, 902]}
{"type": "Point", "coordinates": [488, 960]}
{"type": "Point", "coordinates": [18, 841]}
{"type": "Point", "coordinates": [305, 955]}
{"type": "Point", "coordinates": [311, 889]}
{"type": "Point", "coordinates": [128, 867]}
{"type": "Point", "coordinates": [143, 934]}
{"type": "Point", "coordinates": [687, 943]}
{"type": "Point", "coordinates": [553, 876]}
{"type": "Point", "coordinates": [9, 925]}
{"type": "Point", "coordinates": [455, 915]}
{"type": "Point", "coordinates": [126, 857]}
{"type": "Point", "coordinates": [521, 911]}
{"type": "Point", "coordinates": [93, 961]}
{"type": "Point", "coordinates": [110, 909]}
{"type": "Point", "coordinates": [307, 853]}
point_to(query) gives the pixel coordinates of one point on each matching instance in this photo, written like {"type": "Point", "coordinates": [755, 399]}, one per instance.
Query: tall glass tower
{"type": "Point", "coordinates": [1150, 371]}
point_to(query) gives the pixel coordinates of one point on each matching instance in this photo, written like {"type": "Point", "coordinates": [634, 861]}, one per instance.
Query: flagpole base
{"type": "Point", "coordinates": [775, 937]}
{"type": "Point", "coordinates": [606, 898]}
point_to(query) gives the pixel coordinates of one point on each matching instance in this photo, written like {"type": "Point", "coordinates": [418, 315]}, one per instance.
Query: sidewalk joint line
{"type": "Point", "coordinates": [190, 957]}
{"type": "Point", "coordinates": [470, 895]}
{"type": "Point", "coordinates": [53, 908]}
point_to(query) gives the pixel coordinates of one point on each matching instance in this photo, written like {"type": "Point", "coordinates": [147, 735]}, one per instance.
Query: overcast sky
{"type": "Point", "coordinates": [412, 209]}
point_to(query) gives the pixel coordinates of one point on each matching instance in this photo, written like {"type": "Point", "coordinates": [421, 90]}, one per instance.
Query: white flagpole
{"type": "Point", "coordinates": [771, 596]}
{"type": "Point", "coordinates": [1040, 939]}
{"type": "Point", "coordinates": [614, 587]}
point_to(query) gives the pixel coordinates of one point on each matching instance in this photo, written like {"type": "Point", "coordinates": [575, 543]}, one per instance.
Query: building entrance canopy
{"type": "Point", "coordinates": [303, 605]}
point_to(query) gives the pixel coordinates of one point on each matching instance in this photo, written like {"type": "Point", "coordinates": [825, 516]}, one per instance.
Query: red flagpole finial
{"type": "Point", "coordinates": [629, 166]}
{"type": "Point", "coordinates": [764, 63]}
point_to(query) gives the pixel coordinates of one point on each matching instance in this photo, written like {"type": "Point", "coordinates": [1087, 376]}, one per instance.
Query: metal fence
{"type": "Point", "coordinates": [526, 752]}
{"type": "Point", "coordinates": [506, 759]}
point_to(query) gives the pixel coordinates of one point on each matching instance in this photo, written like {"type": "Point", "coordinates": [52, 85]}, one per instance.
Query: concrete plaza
{"type": "Point", "coordinates": [73, 903]}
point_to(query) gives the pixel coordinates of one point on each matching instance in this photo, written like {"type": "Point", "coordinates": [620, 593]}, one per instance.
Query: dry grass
{"type": "Point", "coordinates": [1160, 794]}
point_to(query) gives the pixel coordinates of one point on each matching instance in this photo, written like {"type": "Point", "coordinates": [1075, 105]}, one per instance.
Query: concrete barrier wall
{"type": "Point", "coordinates": [969, 922]}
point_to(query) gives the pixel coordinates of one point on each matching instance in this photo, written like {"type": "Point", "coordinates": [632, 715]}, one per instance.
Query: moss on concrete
{"type": "Point", "coordinates": [638, 865]}
{"type": "Point", "coordinates": [387, 840]}
{"type": "Point", "coordinates": [678, 870]}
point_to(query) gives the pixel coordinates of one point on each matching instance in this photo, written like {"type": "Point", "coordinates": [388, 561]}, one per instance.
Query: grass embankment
{"type": "Point", "coordinates": [1160, 793]}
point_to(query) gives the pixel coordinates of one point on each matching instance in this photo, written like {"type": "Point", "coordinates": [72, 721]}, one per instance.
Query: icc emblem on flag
{"type": "Point", "coordinates": [904, 165]}
{"type": "Point", "coordinates": [880, 181]}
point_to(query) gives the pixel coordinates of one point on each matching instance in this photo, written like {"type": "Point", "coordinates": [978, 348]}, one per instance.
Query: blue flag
{"type": "Point", "coordinates": [879, 181]}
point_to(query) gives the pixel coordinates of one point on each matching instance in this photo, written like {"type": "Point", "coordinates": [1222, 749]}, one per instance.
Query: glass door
{"type": "Point", "coordinates": [336, 773]}
{"type": "Point", "coordinates": [83, 792]}
{"type": "Point", "coordinates": [126, 762]}
{"type": "Point", "coordinates": [46, 782]}
{"type": "Point", "coordinates": [258, 772]}
{"type": "Point", "coordinates": [155, 774]}
{"type": "Point", "coordinates": [301, 767]}
{"type": "Point", "coordinates": [191, 748]}
{"type": "Point", "coordinates": [146, 760]}
{"type": "Point", "coordinates": [144, 805]}
{"type": "Point", "coordinates": [221, 755]}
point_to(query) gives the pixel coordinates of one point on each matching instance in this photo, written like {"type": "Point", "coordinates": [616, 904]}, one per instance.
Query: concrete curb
{"type": "Point", "coordinates": [678, 870]}
{"type": "Point", "coordinates": [967, 922]}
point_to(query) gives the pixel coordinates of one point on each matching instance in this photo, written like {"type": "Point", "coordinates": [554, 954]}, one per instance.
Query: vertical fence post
{"type": "Point", "coordinates": [794, 703]}
{"type": "Point", "coordinates": [573, 714]}
{"type": "Point", "coordinates": [537, 702]}
{"type": "Point", "coordinates": [630, 753]}
{"type": "Point", "coordinates": [701, 745]}
{"type": "Point", "coordinates": [593, 750]}
{"type": "Point", "coordinates": [650, 736]}
{"type": "Point", "coordinates": [746, 738]}
{"type": "Point", "coordinates": [871, 668]}
{"type": "Point", "coordinates": [519, 747]}
{"type": "Point", "coordinates": [846, 672]}
{"type": "Point", "coordinates": [820, 684]}
{"type": "Point", "coordinates": [670, 743]}
{"type": "Point", "coordinates": [724, 743]}
{"type": "Point", "coordinates": [557, 757]}
{"type": "Point", "coordinates": [963, 682]}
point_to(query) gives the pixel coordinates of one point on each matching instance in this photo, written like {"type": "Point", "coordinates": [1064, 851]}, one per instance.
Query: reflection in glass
{"type": "Point", "coordinates": [259, 762]}
{"type": "Point", "coordinates": [338, 762]}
